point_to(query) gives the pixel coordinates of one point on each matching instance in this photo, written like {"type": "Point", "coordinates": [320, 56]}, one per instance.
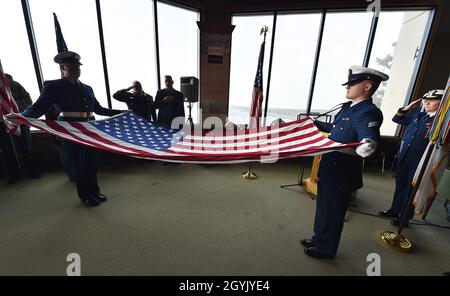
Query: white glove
{"type": "Point", "coordinates": [366, 149]}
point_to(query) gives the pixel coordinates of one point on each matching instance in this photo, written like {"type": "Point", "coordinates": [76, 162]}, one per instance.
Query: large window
{"type": "Point", "coordinates": [130, 45]}
{"type": "Point", "coordinates": [397, 50]}
{"type": "Point", "coordinates": [343, 45]}
{"type": "Point", "coordinates": [129, 36]}
{"type": "Point", "coordinates": [78, 20]}
{"type": "Point", "coordinates": [398, 43]}
{"type": "Point", "coordinates": [293, 60]}
{"type": "Point", "coordinates": [178, 46]}
{"type": "Point", "coordinates": [15, 52]}
{"type": "Point", "coordinates": [245, 49]}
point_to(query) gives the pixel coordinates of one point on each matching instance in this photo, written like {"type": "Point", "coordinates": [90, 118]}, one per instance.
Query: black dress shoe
{"type": "Point", "coordinates": [388, 213]}
{"type": "Point", "coordinates": [307, 243]}
{"type": "Point", "coordinates": [92, 202]}
{"type": "Point", "coordinates": [101, 197]}
{"type": "Point", "coordinates": [312, 252]}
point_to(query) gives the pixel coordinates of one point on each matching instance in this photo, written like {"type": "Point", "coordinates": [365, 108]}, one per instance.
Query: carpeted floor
{"type": "Point", "coordinates": [200, 220]}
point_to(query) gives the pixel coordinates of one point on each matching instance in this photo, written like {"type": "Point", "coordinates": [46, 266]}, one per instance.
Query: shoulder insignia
{"type": "Point", "coordinates": [374, 124]}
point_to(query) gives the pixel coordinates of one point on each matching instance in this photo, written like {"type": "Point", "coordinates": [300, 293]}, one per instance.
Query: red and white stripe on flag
{"type": "Point", "coordinates": [7, 103]}
{"type": "Point", "coordinates": [131, 135]}
{"type": "Point", "coordinates": [256, 108]}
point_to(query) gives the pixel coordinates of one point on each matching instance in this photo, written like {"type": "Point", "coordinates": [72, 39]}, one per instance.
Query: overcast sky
{"type": "Point", "coordinates": [129, 41]}
{"type": "Point", "coordinates": [344, 43]}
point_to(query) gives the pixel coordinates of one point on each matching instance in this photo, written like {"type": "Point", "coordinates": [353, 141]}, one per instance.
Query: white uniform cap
{"type": "Point", "coordinates": [357, 74]}
{"type": "Point", "coordinates": [435, 94]}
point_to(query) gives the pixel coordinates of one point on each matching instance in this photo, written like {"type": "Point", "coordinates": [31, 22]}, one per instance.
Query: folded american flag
{"type": "Point", "coordinates": [131, 135]}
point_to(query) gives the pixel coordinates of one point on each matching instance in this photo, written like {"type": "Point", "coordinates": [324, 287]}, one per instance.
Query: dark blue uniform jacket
{"type": "Point", "coordinates": [415, 139]}
{"type": "Point", "coordinates": [351, 124]}
{"type": "Point", "coordinates": [64, 96]}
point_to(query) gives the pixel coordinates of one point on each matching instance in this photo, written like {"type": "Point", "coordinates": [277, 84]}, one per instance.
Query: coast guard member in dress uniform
{"type": "Point", "coordinates": [340, 172]}
{"type": "Point", "coordinates": [76, 102]}
{"type": "Point", "coordinates": [419, 120]}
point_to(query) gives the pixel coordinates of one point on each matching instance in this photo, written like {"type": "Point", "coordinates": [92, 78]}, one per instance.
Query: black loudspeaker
{"type": "Point", "coordinates": [189, 88]}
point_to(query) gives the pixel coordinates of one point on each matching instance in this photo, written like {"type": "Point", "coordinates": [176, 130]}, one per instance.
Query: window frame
{"type": "Point", "coordinates": [370, 40]}
{"type": "Point", "coordinates": [35, 54]}
{"type": "Point", "coordinates": [412, 88]}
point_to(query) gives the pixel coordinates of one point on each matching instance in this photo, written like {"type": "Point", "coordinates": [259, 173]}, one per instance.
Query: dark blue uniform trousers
{"type": "Point", "coordinates": [84, 164]}
{"type": "Point", "coordinates": [404, 175]}
{"type": "Point", "coordinates": [331, 206]}
{"type": "Point", "coordinates": [64, 158]}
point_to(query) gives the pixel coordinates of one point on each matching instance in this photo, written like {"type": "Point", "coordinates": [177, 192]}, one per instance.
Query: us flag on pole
{"type": "Point", "coordinates": [132, 135]}
{"type": "Point", "coordinates": [257, 96]}
{"type": "Point", "coordinates": [7, 103]}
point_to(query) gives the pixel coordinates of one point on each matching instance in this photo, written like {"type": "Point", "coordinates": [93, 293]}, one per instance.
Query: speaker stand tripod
{"type": "Point", "coordinates": [189, 120]}
{"type": "Point", "coordinates": [300, 183]}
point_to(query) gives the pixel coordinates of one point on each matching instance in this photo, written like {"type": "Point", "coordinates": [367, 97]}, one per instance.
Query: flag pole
{"type": "Point", "coordinates": [428, 207]}
{"type": "Point", "coordinates": [396, 239]}
{"type": "Point", "coordinates": [264, 31]}
{"type": "Point", "coordinates": [13, 145]}
{"type": "Point", "coordinates": [430, 203]}
{"type": "Point", "coordinates": [249, 175]}
{"type": "Point", "coordinates": [12, 108]}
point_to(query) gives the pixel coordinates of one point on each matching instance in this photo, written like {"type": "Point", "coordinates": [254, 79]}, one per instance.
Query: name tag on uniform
{"type": "Point", "coordinates": [374, 124]}
{"type": "Point", "coordinates": [345, 118]}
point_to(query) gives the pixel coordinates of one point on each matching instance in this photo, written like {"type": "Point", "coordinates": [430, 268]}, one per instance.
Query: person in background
{"type": "Point", "coordinates": [418, 116]}
{"type": "Point", "coordinates": [170, 104]}
{"type": "Point", "coordinates": [23, 145]}
{"type": "Point", "coordinates": [137, 101]}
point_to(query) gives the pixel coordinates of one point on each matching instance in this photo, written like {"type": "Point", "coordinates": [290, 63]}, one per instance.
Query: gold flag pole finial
{"type": "Point", "coordinates": [264, 31]}
{"type": "Point", "coordinates": [396, 240]}
{"type": "Point", "coordinates": [249, 175]}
